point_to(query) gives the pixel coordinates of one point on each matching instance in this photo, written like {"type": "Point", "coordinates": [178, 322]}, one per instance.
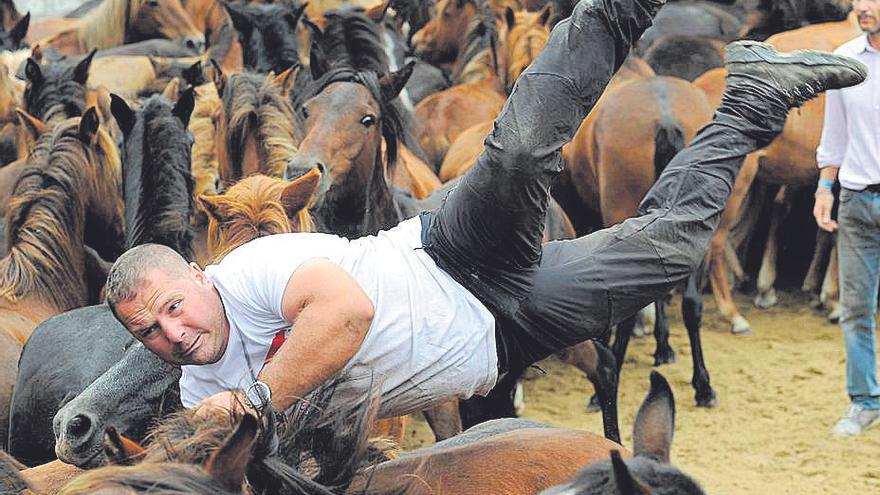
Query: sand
{"type": "Point", "coordinates": [780, 392]}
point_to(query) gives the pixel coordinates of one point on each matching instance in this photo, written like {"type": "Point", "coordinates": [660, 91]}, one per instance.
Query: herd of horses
{"type": "Point", "coordinates": [203, 124]}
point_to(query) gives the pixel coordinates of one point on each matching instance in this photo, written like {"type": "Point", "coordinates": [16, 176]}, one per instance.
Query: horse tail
{"type": "Point", "coordinates": [668, 141]}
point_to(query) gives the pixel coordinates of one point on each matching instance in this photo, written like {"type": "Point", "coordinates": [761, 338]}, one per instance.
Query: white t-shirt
{"type": "Point", "coordinates": [430, 339]}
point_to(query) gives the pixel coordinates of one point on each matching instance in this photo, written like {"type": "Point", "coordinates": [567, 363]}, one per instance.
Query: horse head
{"type": "Point", "coordinates": [527, 33]}
{"type": "Point", "coordinates": [345, 123]}
{"type": "Point", "coordinates": [13, 39]}
{"type": "Point", "coordinates": [257, 130]}
{"type": "Point", "coordinates": [649, 471]}
{"type": "Point", "coordinates": [268, 34]}
{"type": "Point", "coordinates": [167, 19]}
{"type": "Point", "coordinates": [258, 206]}
{"type": "Point", "coordinates": [440, 40]}
{"type": "Point", "coordinates": [56, 91]}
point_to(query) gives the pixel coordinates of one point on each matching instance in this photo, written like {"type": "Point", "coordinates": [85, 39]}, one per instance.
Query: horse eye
{"type": "Point", "coordinates": [305, 113]}
{"type": "Point", "coordinates": [368, 121]}
{"type": "Point", "coordinates": [153, 3]}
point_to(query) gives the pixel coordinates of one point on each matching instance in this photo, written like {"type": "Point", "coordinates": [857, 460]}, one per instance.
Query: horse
{"type": "Point", "coordinates": [478, 92]}
{"type": "Point", "coordinates": [11, 92]}
{"type": "Point", "coordinates": [210, 18]}
{"type": "Point", "coordinates": [116, 22]}
{"type": "Point", "coordinates": [158, 197]}
{"type": "Point", "coordinates": [56, 91]}
{"type": "Point", "coordinates": [684, 56]}
{"type": "Point", "coordinates": [268, 35]}
{"type": "Point", "coordinates": [13, 39]}
{"type": "Point", "coordinates": [690, 17]}
{"type": "Point", "coordinates": [205, 167]}
{"type": "Point", "coordinates": [44, 272]}
{"type": "Point", "coordinates": [9, 15]}
{"type": "Point", "coordinates": [257, 130]}
{"type": "Point", "coordinates": [789, 160]}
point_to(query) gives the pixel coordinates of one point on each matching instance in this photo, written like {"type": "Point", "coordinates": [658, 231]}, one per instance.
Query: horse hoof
{"type": "Point", "coordinates": [766, 300]}
{"type": "Point", "coordinates": [593, 404]}
{"type": "Point", "coordinates": [740, 326]}
{"type": "Point", "coordinates": [666, 357]}
{"type": "Point", "coordinates": [708, 402]}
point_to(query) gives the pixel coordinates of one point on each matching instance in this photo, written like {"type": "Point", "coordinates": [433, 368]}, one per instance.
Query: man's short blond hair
{"type": "Point", "coordinates": [127, 274]}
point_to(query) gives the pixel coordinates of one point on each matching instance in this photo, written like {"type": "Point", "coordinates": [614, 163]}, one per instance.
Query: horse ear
{"type": "Point", "coordinates": [37, 52]}
{"type": "Point", "coordinates": [172, 90]}
{"type": "Point", "coordinates": [546, 14]}
{"type": "Point", "coordinates": [184, 106]}
{"type": "Point", "coordinates": [509, 17]}
{"type": "Point", "coordinates": [193, 75]}
{"type": "Point", "coordinates": [626, 483]}
{"type": "Point", "coordinates": [120, 451]}
{"type": "Point", "coordinates": [377, 12]}
{"type": "Point", "coordinates": [392, 84]}
{"type": "Point", "coordinates": [655, 421]}
{"type": "Point", "coordinates": [286, 79]}
{"type": "Point", "coordinates": [21, 27]}
{"type": "Point", "coordinates": [317, 60]}
{"type": "Point", "coordinates": [228, 464]}
{"type": "Point", "coordinates": [81, 73]}
{"type": "Point", "coordinates": [33, 72]}
{"type": "Point", "coordinates": [122, 113]}
{"type": "Point", "coordinates": [240, 21]}
{"type": "Point", "coordinates": [218, 77]}
{"type": "Point", "coordinates": [214, 206]}
{"type": "Point", "coordinates": [293, 16]}
{"type": "Point", "coordinates": [88, 126]}
{"type": "Point", "coordinates": [297, 195]}
{"type": "Point", "coordinates": [31, 127]}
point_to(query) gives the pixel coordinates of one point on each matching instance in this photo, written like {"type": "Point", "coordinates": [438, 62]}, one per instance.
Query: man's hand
{"type": "Point", "coordinates": [822, 210]}
{"type": "Point", "coordinates": [229, 401]}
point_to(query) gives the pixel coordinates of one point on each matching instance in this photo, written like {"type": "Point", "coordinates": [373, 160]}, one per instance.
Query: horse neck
{"type": "Point", "coordinates": [106, 26]}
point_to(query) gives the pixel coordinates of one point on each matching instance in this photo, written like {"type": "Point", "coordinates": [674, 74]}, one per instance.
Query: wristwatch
{"type": "Point", "coordinates": [258, 395]}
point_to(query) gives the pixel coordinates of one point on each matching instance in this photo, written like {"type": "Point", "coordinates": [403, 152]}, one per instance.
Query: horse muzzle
{"type": "Point", "coordinates": [78, 440]}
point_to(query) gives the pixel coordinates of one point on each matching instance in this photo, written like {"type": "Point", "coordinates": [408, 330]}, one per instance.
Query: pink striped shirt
{"type": "Point", "coordinates": [851, 132]}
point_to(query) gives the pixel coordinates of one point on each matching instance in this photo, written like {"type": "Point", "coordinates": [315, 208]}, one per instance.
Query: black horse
{"type": "Point", "coordinates": [69, 352]}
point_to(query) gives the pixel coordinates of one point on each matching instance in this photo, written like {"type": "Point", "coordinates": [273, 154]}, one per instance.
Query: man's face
{"type": "Point", "coordinates": [868, 12]}
{"type": "Point", "coordinates": [180, 318]}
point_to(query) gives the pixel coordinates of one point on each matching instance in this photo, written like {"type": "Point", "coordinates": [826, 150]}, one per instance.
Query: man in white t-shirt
{"type": "Point", "coordinates": [438, 306]}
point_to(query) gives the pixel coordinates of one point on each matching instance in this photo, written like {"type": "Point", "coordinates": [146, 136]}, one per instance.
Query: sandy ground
{"type": "Point", "coordinates": [780, 391]}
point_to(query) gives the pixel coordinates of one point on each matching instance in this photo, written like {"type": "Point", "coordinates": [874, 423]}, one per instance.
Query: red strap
{"type": "Point", "coordinates": [277, 342]}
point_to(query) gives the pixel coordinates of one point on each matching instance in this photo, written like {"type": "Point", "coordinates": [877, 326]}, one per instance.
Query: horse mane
{"type": "Point", "coordinates": [158, 181]}
{"type": "Point", "coordinates": [524, 42]}
{"type": "Point", "coordinates": [315, 448]}
{"type": "Point", "coordinates": [253, 104]}
{"type": "Point", "coordinates": [353, 40]}
{"type": "Point", "coordinates": [258, 212]}
{"type": "Point", "coordinates": [104, 27]}
{"type": "Point", "coordinates": [205, 167]}
{"type": "Point", "coordinates": [391, 119]}
{"type": "Point", "coordinates": [480, 51]}
{"type": "Point", "coordinates": [46, 217]}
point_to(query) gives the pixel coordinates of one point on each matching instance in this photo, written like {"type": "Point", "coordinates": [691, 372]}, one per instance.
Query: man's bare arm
{"type": "Point", "coordinates": [331, 315]}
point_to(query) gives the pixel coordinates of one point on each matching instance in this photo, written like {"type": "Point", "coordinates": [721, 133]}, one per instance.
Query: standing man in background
{"type": "Point", "coordinates": [850, 151]}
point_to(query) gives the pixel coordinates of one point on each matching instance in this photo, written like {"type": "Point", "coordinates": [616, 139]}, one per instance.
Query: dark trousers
{"type": "Point", "coordinates": [487, 233]}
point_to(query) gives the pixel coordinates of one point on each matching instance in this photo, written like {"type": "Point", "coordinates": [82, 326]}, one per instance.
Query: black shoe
{"type": "Point", "coordinates": [799, 75]}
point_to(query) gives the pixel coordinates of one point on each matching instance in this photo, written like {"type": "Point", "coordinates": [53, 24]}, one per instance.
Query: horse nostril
{"type": "Point", "coordinates": [321, 168]}
{"type": "Point", "coordinates": [194, 44]}
{"type": "Point", "coordinates": [79, 426]}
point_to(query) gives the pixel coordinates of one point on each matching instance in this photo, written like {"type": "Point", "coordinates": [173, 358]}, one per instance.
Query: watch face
{"type": "Point", "coordinates": [258, 394]}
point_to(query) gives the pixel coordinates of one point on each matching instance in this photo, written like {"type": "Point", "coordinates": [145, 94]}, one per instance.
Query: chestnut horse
{"type": "Point", "coordinates": [116, 22]}
{"type": "Point", "coordinates": [256, 130]}
{"type": "Point", "coordinates": [72, 166]}
{"type": "Point", "coordinates": [209, 17]}
{"type": "Point", "coordinates": [790, 160]}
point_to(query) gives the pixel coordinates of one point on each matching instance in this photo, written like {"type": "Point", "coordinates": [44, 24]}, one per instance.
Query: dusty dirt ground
{"type": "Point", "coordinates": [780, 391]}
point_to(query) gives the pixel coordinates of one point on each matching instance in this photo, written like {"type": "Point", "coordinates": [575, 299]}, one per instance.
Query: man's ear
{"type": "Point", "coordinates": [199, 274]}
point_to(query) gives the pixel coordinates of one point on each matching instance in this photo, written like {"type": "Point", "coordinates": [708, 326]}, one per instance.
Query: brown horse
{"type": "Point", "coordinates": [116, 22]}
{"type": "Point", "coordinates": [72, 166]}
{"type": "Point", "coordinates": [209, 17]}
{"type": "Point", "coordinates": [789, 161]}
{"type": "Point", "coordinates": [257, 130]}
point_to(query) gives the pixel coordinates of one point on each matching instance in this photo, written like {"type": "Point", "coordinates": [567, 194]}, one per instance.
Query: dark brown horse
{"type": "Point", "coordinates": [115, 22]}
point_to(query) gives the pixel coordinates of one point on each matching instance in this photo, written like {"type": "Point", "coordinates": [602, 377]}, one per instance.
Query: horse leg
{"type": "Point", "coordinates": [444, 420]}
{"type": "Point", "coordinates": [692, 313]}
{"type": "Point", "coordinates": [813, 279]}
{"type": "Point", "coordinates": [663, 354]}
{"type": "Point", "coordinates": [621, 341]}
{"type": "Point", "coordinates": [830, 294]}
{"type": "Point", "coordinates": [497, 404]}
{"type": "Point", "coordinates": [647, 319]}
{"type": "Point", "coordinates": [598, 363]}
{"type": "Point", "coordinates": [718, 247]}
{"type": "Point", "coordinates": [767, 275]}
